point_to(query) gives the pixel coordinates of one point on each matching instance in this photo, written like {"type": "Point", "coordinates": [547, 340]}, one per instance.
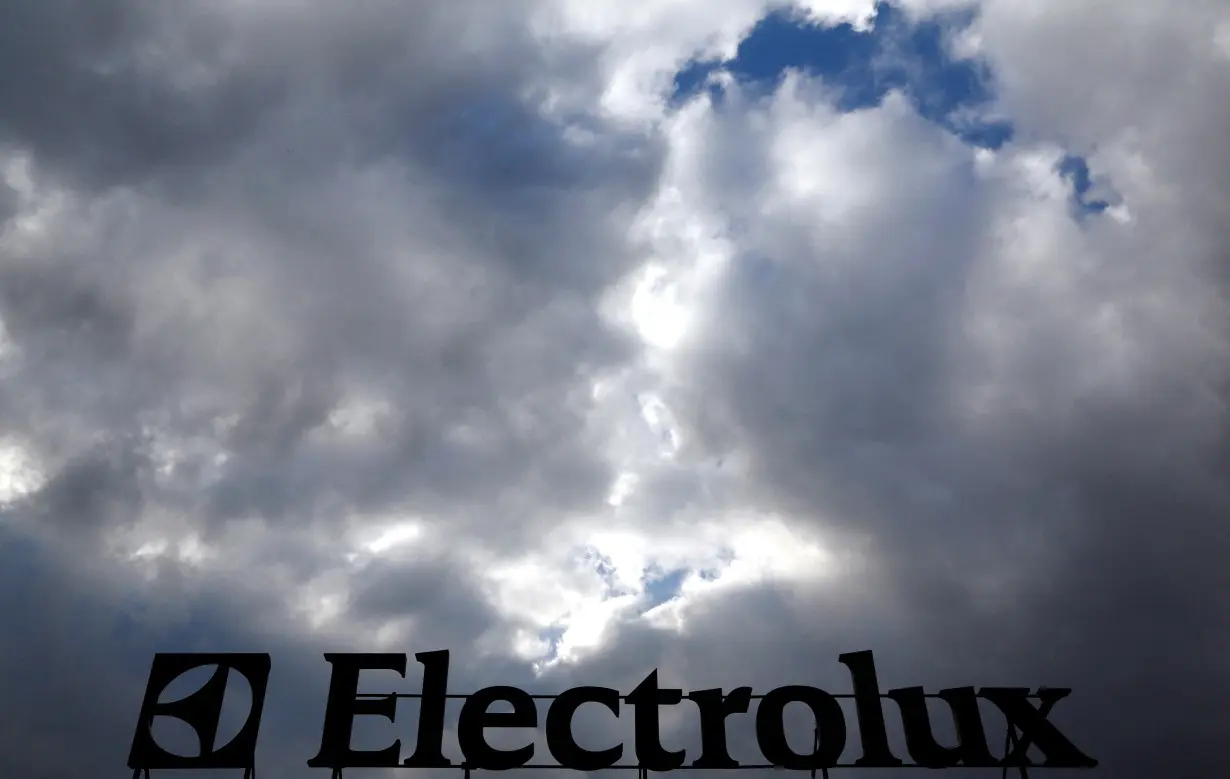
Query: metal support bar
{"type": "Point", "coordinates": [815, 747]}
{"type": "Point", "coordinates": [1010, 743]}
{"type": "Point", "coordinates": [248, 773]}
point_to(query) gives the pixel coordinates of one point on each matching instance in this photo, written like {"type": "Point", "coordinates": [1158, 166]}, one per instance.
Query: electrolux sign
{"type": "Point", "coordinates": [1026, 713]}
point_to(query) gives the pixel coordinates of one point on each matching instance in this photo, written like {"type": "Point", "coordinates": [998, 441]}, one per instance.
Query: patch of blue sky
{"type": "Point", "coordinates": [554, 636]}
{"type": "Point", "coordinates": [1085, 198]}
{"type": "Point", "coordinates": [662, 586]}
{"type": "Point", "coordinates": [863, 66]}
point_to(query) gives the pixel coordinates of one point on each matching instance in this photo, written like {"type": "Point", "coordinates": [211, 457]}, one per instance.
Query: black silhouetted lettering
{"type": "Point", "coordinates": [971, 749]}
{"type": "Point", "coordinates": [1036, 729]}
{"type": "Point", "coordinates": [560, 742]}
{"type": "Point", "coordinates": [714, 709]}
{"type": "Point", "coordinates": [343, 706]}
{"type": "Point", "coordinates": [201, 711]}
{"type": "Point", "coordinates": [475, 718]}
{"type": "Point", "coordinates": [771, 732]}
{"type": "Point", "coordinates": [646, 698]}
{"type": "Point", "coordinates": [429, 750]}
{"type": "Point", "coordinates": [871, 728]}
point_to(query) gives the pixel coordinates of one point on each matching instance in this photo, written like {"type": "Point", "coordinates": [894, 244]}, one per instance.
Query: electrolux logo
{"type": "Point", "coordinates": [1026, 713]}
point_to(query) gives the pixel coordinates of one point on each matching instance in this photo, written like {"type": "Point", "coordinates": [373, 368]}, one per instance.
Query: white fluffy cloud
{"type": "Point", "coordinates": [396, 327]}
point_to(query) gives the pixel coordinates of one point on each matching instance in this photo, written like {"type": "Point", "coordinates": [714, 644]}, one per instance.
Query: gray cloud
{"type": "Point", "coordinates": [275, 281]}
{"type": "Point", "coordinates": [1090, 502]}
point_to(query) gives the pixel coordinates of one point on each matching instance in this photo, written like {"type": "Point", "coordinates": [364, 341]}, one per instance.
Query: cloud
{"type": "Point", "coordinates": [398, 328]}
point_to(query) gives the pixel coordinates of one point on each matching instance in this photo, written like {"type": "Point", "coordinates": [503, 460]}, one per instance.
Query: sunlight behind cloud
{"type": "Point", "coordinates": [622, 487]}
{"type": "Point", "coordinates": [19, 474]}
{"type": "Point", "coordinates": [392, 536]}
{"type": "Point", "coordinates": [188, 550]}
{"type": "Point", "coordinates": [359, 415]}
{"type": "Point", "coordinates": [576, 606]}
{"type": "Point", "coordinates": [586, 630]}
{"type": "Point", "coordinates": [659, 317]}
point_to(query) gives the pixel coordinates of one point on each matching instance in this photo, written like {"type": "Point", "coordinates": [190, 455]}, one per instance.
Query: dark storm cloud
{"type": "Point", "coordinates": [10, 203]}
{"type": "Point", "coordinates": [378, 232]}
{"type": "Point", "coordinates": [268, 208]}
{"type": "Point", "coordinates": [94, 489]}
{"type": "Point", "coordinates": [1130, 612]}
{"type": "Point", "coordinates": [132, 92]}
{"type": "Point", "coordinates": [423, 593]}
{"type": "Point", "coordinates": [77, 676]}
{"type": "Point", "coordinates": [1076, 535]}
{"type": "Point", "coordinates": [65, 309]}
{"type": "Point", "coordinates": [68, 89]}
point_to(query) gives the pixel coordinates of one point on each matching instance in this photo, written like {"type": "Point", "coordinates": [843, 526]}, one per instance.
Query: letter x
{"type": "Point", "coordinates": [1035, 728]}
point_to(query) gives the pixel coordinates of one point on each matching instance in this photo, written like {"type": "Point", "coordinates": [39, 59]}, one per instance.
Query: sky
{"type": "Point", "coordinates": [586, 338]}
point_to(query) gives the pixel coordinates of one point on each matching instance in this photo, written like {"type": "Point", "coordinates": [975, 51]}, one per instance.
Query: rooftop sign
{"type": "Point", "coordinates": [1027, 714]}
